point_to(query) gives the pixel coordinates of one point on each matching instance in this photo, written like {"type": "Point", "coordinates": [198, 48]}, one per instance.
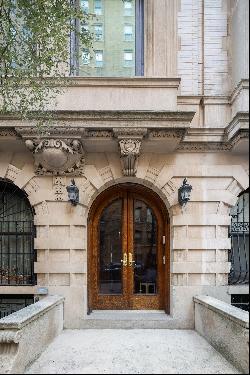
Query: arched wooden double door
{"type": "Point", "coordinates": [128, 251]}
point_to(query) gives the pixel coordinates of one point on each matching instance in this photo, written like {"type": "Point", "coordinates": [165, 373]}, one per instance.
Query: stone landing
{"type": "Point", "coordinates": [130, 352]}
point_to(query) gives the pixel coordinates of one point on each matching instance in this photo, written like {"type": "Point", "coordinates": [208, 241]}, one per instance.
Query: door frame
{"type": "Point", "coordinates": [108, 196]}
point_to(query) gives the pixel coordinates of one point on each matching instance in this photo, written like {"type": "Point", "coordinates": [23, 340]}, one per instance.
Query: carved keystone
{"type": "Point", "coordinates": [130, 152]}
{"type": "Point", "coordinates": [130, 141]}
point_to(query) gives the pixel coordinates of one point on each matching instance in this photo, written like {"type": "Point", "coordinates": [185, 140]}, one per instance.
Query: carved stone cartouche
{"type": "Point", "coordinates": [57, 156]}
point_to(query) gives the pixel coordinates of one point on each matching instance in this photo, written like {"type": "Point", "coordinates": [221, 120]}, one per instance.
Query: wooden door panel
{"type": "Point", "coordinates": [146, 233]}
{"type": "Point", "coordinates": [97, 297]}
{"type": "Point", "coordinates": [103, 251]}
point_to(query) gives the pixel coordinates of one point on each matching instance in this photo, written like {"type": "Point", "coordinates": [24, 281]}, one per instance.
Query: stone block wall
{"type": "Point", "coordinates": [199, 234]}
{"type": "Point", "coordinates": [239, 41]}
{"type": "Point", "coordinates": [203, 47]}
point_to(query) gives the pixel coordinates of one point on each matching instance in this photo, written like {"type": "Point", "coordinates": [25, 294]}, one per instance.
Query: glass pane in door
{"type": "Point", "coordinates": [111, 253]}
{"type": "Point", "coordinates": [145, 249]}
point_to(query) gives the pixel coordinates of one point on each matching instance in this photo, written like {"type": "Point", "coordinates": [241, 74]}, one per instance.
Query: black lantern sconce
{"type": "Point", "coordinates": [184, 193]}
{"type": "Point", "coordinates": [73, 193]}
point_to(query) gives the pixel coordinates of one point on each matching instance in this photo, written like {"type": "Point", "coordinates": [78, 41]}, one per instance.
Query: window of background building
{"type": "Point", "coordinates": [99, 59]}
{"type": "Point", "coordinates": [85, 28]}
{"type": "Point", "coordinates": [98, 7]}
{"type": "Point", "coordinates": [85, 56]}
{"type": "Point", "coordinates": [98, 32]}
{"type": "Point", "coordinates": [85, 5]}
{"type": "Point", "coordinates": [128, 33]}
{"type": "Point", "coordinates": [113, 35]}
{"type": "Point", "coordinates": [128, 59]}
{"type": "Point", "coordinates": [128, 8]}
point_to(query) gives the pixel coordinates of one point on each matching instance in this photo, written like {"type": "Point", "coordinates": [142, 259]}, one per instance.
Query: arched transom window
{"type": "Point", "coordinates": [16, 236]}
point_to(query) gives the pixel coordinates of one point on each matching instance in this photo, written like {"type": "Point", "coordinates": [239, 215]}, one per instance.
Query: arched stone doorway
{"type": "Point", "coordinates": [128, 250]}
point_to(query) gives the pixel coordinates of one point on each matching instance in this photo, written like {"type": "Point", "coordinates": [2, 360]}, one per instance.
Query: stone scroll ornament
{"type": "Point", "coordinates": [130, 152]}
{"type": "Point", "coordinates": [58, 157]}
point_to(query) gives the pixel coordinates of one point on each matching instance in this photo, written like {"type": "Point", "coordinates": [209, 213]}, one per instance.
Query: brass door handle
{"type": "Point", "coordinates": [124, 261]}
{"type": "Point", "coordinates": [130, 260]}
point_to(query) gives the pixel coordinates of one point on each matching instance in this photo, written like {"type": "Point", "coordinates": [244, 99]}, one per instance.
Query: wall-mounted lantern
{"type": "Point", "coordinates": [73, 193]}
{"type": "Point", "coordinates": [184, 193]}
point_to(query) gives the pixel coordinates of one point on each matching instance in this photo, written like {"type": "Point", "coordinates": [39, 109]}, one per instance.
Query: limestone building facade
{"type": "Point", "coordinates": [128, 143]}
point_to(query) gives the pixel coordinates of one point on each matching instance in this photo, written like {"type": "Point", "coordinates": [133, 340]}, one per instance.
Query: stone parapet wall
{"type": "Point", "coordinates": [25, 334]}
{"type": "Point", "coordinates": [226, 328]}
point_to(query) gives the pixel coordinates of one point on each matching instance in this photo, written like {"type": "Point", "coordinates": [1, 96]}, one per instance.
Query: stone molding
{"type": "Point", "coordinates": [8, 133]}
{"type": "Point", "coordinates": [130, 133]}
{"type": "Point", "coordinates": [178, 118]}
{"type": "Point", "coordinates": [242, 85]}
{"type": "Point", "coordinates": [204, 147]}
{"type": "Point", "coordinates": [239, 124]}
{"type": "Point", "coordinates": [28, 132]}
{"type": "Point", "coordinates": [141, 82]}
{"type": "Point", "coordinates": [165, 134]}
{"type": "Point", "coordinates": [238, 129]}
{"type": "Point", "coordinates": [148, 125]}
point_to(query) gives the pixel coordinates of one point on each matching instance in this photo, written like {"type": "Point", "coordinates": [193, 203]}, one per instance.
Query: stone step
{"type": "Point", "coordinates": [129, 320]}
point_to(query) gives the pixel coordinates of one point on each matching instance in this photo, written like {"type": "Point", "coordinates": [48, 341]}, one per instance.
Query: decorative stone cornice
{"type": "Point", "coordinates": [238, 130]}
{"type": "Point", "coordinates": [130, 133]}
{"type": "Point", "coordinates": [141, 82]}
{"type": "Point", "coordinates": [108, 134]}
{"type": "Point", "coordinates": [130, 151]}
{"type": "Point", "coordinates": [8, 133]}
{"type": "Point", "coordinates": [204, 147]}
{"type": "Point", "coordinates": [51, 132]}
{"type": "Point", "coordinates": [240, 123]}
{"type": "Point", "coordinates": [99, 119]}
{"type": "Point", "coordinates": [57, 151]}
{"type": "Point", "coordinates": [167, 134]}
{"type": "Point", "coordinates": [242, 85]}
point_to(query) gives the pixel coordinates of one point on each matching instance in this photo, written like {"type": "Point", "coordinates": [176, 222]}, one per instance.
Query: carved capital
{"type": "Point", "coordinates": [130, 152]}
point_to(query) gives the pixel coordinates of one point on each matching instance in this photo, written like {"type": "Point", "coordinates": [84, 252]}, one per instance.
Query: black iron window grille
{"type": "Point", "coordinates": [239, 232]}
{"type": "Point", "coordinates": [12, 303]}
{"type": "Point", "coordinates": [16, 236]}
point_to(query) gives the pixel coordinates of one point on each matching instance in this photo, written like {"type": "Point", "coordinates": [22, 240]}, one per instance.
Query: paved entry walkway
{"type": "Point", "coordinates": [130, 352]}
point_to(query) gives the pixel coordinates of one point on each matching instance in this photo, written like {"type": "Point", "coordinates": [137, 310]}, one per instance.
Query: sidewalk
{"type": "Point", "coordinates": [131, 352]}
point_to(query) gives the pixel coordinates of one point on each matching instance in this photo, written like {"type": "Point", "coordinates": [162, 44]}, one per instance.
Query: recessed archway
{"type": "Point", "coordinates": [128, 250]}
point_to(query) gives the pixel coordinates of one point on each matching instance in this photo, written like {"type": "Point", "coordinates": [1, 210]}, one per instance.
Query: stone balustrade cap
{"type": "Point", "coordinates": [23, 317]}
{"type": "Point", "coordinates": [239, 316]}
